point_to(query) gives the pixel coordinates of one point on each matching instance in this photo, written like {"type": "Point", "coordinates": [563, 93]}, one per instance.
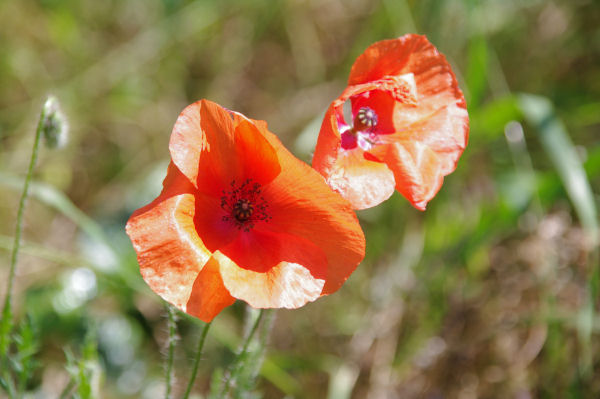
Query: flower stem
{"type": "Point", "coordinates": [197, 360]}
{"type": "Point", "coordinates": [239, 360]}
{"type": "Point", "coordinates": [7, 308]}
{"type": "Point", "coordinates": [172, 325]}
{"type": "Point", "coordinates": [264, 336]}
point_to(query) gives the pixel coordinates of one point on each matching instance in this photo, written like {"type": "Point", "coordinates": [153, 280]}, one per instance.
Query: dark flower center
{"type": "Point", "coordinates": [243, 204]}
{"type": "Point", "coordinates": [242, 210]}
{"type": "Point", "coordinates": [361, 134]}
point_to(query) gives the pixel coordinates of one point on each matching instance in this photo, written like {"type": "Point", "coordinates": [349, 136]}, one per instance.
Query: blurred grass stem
{"type": "Point", "coordinates": [241, 357]}
{"type": "Point", "coordinates": [172, 325]}
{"type": "Point", "coordinates": [197, 360]}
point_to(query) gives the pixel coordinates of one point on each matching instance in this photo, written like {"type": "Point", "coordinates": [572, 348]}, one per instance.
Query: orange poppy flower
{"type": "Point", "coordinates": [240, 217]}
{"type": "Point", "coordinates": [408, 125]}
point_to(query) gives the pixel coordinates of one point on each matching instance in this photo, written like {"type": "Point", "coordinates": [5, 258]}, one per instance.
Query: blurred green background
{"type": "Point", "coordinates": [490, 293]}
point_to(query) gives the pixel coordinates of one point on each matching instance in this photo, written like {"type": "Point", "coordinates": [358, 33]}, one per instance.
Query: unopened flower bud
{"type": "Point", "coordinates": [54, 124]}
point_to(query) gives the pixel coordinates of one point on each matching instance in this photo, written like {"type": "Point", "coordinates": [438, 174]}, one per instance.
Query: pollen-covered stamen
{"type": "Point", "coordinates": [244, 206]}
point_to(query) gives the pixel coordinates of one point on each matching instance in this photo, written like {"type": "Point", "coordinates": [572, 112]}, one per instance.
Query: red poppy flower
{"type": "Point", "coordinates": [408, 127]}
{"type": "Point", "coordinates": [240, 217]}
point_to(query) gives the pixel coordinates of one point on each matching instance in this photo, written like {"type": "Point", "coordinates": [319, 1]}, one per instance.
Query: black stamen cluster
{"type": "Point", "coordinates": [244, 205]}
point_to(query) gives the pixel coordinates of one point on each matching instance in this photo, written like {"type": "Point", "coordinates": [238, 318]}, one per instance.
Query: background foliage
{"type": "Point", "coordinates": [490, 293]}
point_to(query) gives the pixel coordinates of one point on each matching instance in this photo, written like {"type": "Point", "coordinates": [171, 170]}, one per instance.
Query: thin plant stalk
{"type": "Point", "coordinates": [264, 334]}
{"type": "Point", "coordinates": [242, 355]}
{"type": "Point", "coordinates": [172, 325]}
{"type": "Point", "coordinates": [68, 390]}
{"type": "Point", "coordinates": [197, 360]}
{"type": "Point", "coordinates": [17, 242]}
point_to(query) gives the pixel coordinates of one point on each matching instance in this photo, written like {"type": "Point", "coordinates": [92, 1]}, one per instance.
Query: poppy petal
{"type": "Point", "coordinates": [258, 157]}
{"type": "Point", "coordinates": [442, 131]}
{"type": "Point", "coordinates": [260, 250]}
{"type": "Point", "coordinates": [417, 170]}
{"type": "Point", "coordinates": [209, 295]}
{"type": "Point", "coordinates": [235, 151]}
{"type": "Point", "coordinates": [304, 206]}
{"type": "Point", "coordinates": [169, 251]}
{"type": "Point", "coordinates": [287, 285]}
{"type": "Point", "coordinates": [328, 143]}
{"type": "Point", "coordinates": [390, 58]}
{"type": "Point", "coordinates": [187, 141]}
{"type": "Point", "coordinates": [208, 219]}
{"type": "Point", "coordinates": [217, 161]}
{"type": "Point", "coordinates": [385, 105]}
{"type": "Point", "coordinates": [364, 183]}
{"type": "Point", "coordinates": [436, 85]}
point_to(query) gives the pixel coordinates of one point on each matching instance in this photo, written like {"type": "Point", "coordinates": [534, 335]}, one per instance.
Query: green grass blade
{"type": "Point", "coordinates": [539, 112]}
{"type": "Point", "coordinates": [477, 70]}
{"type": "Point", "coordinates": [54, 198]}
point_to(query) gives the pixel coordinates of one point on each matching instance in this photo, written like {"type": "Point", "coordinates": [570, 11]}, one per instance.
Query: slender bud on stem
{"type": "Point", "coordinates": [54, 124]}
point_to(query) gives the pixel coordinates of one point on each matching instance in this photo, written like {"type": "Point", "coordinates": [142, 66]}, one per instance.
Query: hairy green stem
{"type": "Point", "coordinates": [172, 325]}
{"type": "Point", "coordinates": [21, 211]}
{"type": "Point", "coordinates": [197, 360]}
{"type": "Point", "coordinates": [6, 325]}
{"type": "Point", "coordinates": [238, 362]}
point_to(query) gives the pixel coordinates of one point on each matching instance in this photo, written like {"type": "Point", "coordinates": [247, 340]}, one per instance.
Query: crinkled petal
{"type": "Point", "coordinates": [364, 183]}
{"type": "Point", "coordinates": [390, 58]}
{"type": "Point", "coordinates": [187, 141]}
{"type": "Point", "coordinates": [169, 251]}
{"type": "Point", "coordinates": [436, 85]}
{"type": "Point", "coordinates": [441, 132]}
{"type": "Point", "coordinates": [287, 285]}
{"type": "Point", "coordinates": [418, 170]}
{"type": "Point", "coordinates": [209, 295]}
{"type": "Point", "coordinates": [328, 143]}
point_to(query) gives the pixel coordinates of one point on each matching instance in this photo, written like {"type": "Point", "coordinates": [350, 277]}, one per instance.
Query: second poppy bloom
{"type": "Point", "coordinates": [406, 127]}
{"type": "Point", "coordinates": [240, 217]}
